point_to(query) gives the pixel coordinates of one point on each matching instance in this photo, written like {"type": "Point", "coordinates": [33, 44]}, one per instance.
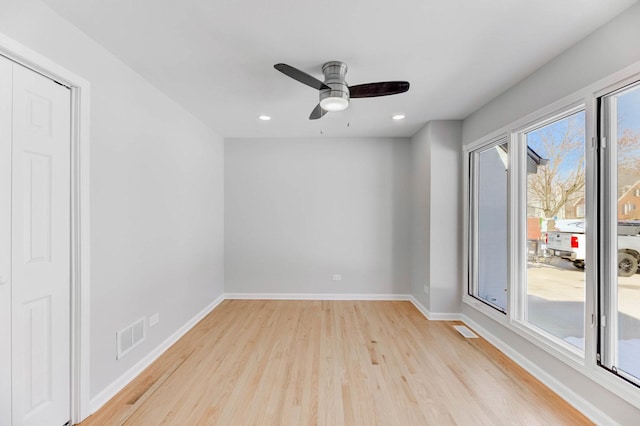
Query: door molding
{"type": "Point", "coordinates": [80, 209]}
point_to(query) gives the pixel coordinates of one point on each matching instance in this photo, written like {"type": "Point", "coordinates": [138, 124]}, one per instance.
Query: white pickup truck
{"type": "Point", "coordinates": [569, 244]}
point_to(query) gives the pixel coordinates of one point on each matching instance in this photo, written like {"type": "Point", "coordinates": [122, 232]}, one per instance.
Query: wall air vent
{"type": "Point", "coordinates": [129, 337]}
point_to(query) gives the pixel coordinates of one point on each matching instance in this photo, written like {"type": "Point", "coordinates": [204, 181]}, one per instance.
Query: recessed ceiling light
{"type": "Point", "coordinates": [264, 117]}
{"type": "Point", "coordinates": [398, 117]}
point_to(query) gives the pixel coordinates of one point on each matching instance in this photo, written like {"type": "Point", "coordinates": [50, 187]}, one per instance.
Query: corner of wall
{"type": "Point", "coordinates": [437, 249]}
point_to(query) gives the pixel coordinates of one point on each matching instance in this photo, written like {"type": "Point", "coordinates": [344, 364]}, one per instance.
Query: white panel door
{"type": "Point", "coordinates": [40, 250]}
{"type": "Point", "coordinates": [6, 94]}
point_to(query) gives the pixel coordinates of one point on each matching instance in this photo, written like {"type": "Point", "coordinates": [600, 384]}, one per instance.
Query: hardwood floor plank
{"type": "Point", "coordinates": [259, 362]}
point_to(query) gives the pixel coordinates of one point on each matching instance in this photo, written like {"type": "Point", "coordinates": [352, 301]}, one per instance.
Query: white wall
{"type": "Point", "coordinates": [604, 52]}
{"type": "Point", "coordinates": [436, 216]}
{"type": "Point", "coordinates": [421, 215]}
{"type": "Point", "coordinates": [298, 211]}
{"type": "Point", "coordinates": [156, 194]}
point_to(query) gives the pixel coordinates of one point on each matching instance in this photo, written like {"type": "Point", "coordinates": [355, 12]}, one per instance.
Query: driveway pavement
{"type": "Point", "coordinates": [556, 304]}
{"type": "Point", "coordinates": [560, 281]}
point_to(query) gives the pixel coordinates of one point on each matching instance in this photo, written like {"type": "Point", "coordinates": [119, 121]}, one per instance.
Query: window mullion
{"type": "Point", "coordinates": [517, 230]}
{"type": "Point", "coordinates": [609, 292]}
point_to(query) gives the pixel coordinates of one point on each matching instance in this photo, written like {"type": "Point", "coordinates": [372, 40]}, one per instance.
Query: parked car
{"type": "Point", "coordinates": [570, 245]}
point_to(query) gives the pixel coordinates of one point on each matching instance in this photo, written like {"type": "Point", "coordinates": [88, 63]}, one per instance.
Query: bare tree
{"type": "Point", "coordinates": [562, 178]}
{"type": "Point", "coordinates": [629, 152]}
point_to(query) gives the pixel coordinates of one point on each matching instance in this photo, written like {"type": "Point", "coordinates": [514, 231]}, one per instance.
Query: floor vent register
{"type": "Point", "coordinates": [465, 331]}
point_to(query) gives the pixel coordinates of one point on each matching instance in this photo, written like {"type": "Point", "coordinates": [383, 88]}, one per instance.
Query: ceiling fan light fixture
{"type": "Point", "coordinates": [334, 103]}
{"type": "Point", "coordinates": [335, 92]}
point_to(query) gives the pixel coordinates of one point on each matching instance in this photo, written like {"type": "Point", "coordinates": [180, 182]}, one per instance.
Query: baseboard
{"type": "Point", "coordinates": [434, 316]}
{"type": "Point", "coordinates": [110, 391]}
{"type": "Point", "coordinates": [597, 416]}
{"type": "Point", "coordinates": [316, 296]}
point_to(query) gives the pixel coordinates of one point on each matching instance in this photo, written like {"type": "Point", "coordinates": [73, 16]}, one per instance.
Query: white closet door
{"type": "Point", "coordinates": [5, 240]}
{"type": "Point", "coordinates": [40, 250]}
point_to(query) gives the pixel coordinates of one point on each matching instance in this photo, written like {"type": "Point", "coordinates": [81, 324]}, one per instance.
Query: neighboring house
{"type": "Point", "coordinates": [534, 205]}
{"type": "Point", "coordinates": [574, 209]}
{"type": "Point", "coordinates": [629, 203]}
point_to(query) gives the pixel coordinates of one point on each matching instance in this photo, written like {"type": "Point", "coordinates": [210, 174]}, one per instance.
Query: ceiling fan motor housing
{"type": "Point", "coordinates": [336, 98]}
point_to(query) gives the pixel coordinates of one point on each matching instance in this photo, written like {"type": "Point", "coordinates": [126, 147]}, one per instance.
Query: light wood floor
{"type": "Point", "coordinates": [332, 363]}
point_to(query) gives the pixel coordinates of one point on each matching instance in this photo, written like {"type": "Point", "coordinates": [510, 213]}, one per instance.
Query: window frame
{"type": "Point", "coordinates": [586, 364]}
{"type": "Point", "coordinates": [473, 196]}
{"type": "Point", "coordinates": [519, 302]}
{"type": "Point", "coordinates": [467, 298]}
{"type": "Point", "coordinates": [608, 339]}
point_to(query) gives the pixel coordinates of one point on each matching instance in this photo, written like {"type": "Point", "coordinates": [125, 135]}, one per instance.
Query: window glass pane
{"type": "Point", "coordinates": [555, 228]}
{"type": "Point", "coordinates": [491, 257]}
{"type": "Point", "coordinates": [626, 120]}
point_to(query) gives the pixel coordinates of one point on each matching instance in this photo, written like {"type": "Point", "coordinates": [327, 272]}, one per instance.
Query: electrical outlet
{"type": "Point", "coordinates": [426, 289]}
{"type": "Point", "coordinates": [337, 277]}
{"type": "Point", "coordinates": [154, 319]}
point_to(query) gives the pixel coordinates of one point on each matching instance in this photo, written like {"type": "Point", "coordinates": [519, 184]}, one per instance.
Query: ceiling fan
{"type": "Point", "coordinates": [334, 91]}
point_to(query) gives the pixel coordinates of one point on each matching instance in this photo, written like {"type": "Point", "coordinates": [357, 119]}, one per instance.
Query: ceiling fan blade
{"type": "Point", "coordinates": [317, 112]}
{"type": "Point", "coordinates": [301, 76]}
{"type": "Point", "coordinates": [371, 90]}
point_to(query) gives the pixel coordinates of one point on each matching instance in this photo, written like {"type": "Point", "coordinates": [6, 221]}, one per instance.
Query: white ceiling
{"type": "Point", "coordinates": [216, 57]}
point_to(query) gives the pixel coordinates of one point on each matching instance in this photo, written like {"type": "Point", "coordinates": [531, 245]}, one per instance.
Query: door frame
{"type": "Point", "coordinates": [80, 216]}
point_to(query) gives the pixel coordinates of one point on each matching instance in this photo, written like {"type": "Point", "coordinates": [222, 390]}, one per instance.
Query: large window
{"type": "Point", "coordinates": [489, 170]}
{"type": "Point", "coordinates": [620, 281]}
{"type": "Point", "coordinates": [556, 243]}
{"type": "Point", "coordinates": [553, 227]}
